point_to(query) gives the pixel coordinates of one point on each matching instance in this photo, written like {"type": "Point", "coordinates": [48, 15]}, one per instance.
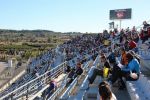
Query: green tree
{"type": "Point", "coordinates": [49, 40]}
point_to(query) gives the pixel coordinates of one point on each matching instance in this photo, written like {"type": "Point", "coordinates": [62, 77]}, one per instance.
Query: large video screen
{"type": "Point", "coordinates": [120, 14]}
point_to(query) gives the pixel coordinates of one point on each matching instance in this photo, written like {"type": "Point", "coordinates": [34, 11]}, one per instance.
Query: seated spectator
{"type": "Point", "coordinates": [79, 70]}
{"type": "Point", "coordinates": [71, 73]}
{"type": "Point", "coordinates": [115, 69]}
{"type": "Point", "coordinates": [142, 36]}
{"type": "Point", "coordinates": [123, 57]}
{"type": "Point", "coordinates": [131, 72]}
{"type": "Point", "coordinates": [83, 60]}
{"type": "Point", "coordinates": [111, 57]}
{"type": "Point", "coordinates": [145, 29]}
{"type": "Point", "coordinates": [34, 73]}
{"type": "Point", "coordinates": [50, 90]}
{"type": "Point", "coordinates": [133, 46]}
{"type": "Point", "coordinates": [135, 55]}
{"type": "Point", "coordinates": [136, 37]}
{"type": "Point", "coordinates": [95, 71]}
{"type": "Point", "coordinates": [94, 57]}
{"type": "Point", "coordinates": [105, 92]}
{"type": "Point", "coordinates": [126, 45]}
{"type": "Point", "coordinates": [68, 69]}
{"type": "Point", "coordinates": [100, 66]}
{"type": "Point", "coordinates": [144, 32]}
{"type": "Point", "coordinates": [74, 73]}
{"type": "Point", "coordinates": [71, 76]}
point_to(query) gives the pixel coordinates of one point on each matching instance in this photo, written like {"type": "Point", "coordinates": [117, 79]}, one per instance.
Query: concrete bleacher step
{"type": "Point", "coordinates": [91, 93]}
{"type": "Point", "coordinates": [71, 98]}
{"type": "Point", "coordinates": [97, 80]}
{"type": "Point", "coordinates": [121, 94]}
{"type": "Point", "coordinates": [139, 89]}
{"type": "Point", "coordinates": [91, 99]}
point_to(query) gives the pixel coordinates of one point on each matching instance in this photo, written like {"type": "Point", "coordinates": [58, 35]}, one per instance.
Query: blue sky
{"type": "Point", "coordinates": [68, 15]}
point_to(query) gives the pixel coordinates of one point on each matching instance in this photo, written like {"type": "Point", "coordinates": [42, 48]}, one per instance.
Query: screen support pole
{"type": "Point", "coordinates": [120, 25]}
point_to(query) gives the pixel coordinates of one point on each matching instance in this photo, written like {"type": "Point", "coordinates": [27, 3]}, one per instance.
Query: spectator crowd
{"type": "Point", "coordinates": [118, 59]}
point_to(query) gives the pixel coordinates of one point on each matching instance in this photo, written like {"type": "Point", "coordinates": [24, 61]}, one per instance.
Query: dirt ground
{"type": "Point", "coordinates": [3, 65]}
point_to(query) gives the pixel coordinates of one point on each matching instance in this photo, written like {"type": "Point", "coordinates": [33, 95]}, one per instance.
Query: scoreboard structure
{"type": "Point", "coordinates": [120, 14]}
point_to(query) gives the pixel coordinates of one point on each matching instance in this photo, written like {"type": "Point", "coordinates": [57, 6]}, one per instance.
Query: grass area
{"type": "Point", "coordinates": [3, 47]}
{"type": "Point", "coordinates": [31, 44]}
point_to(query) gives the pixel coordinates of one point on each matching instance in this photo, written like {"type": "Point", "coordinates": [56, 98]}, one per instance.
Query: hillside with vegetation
{"type": "Point", "coordinates": [22, 44]}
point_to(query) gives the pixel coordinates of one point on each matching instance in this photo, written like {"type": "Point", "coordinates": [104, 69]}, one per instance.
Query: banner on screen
{"type": "Point", "coordinates": [120, 14]}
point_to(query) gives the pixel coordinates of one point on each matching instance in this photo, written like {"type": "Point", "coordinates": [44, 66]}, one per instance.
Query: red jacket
{"type": "Point", "coordinates": [132, 44]}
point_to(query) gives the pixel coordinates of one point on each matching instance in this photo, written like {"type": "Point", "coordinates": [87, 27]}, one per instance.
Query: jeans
{"type": "Point", "coordinates": [117, 73]}
{"type": "Point", "coordinates": [93, 73]}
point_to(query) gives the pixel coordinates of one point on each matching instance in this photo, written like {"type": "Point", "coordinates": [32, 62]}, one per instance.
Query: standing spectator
{"type": "Point", "coordinates": [133, 30]}
{"type": "Point", "coordinates": [145, 28]}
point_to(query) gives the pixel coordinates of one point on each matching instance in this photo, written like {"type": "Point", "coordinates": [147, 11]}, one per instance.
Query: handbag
{"type": "Point", "coordinates": [105, 72]}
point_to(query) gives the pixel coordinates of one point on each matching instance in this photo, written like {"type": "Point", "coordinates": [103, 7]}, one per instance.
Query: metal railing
{"type": "Point", "coordinates": [59, 90]}
{"type": "Point", "coordinates": [32, 86]}
{"type": "Point", "coordinates": [69, 90]}
{"type": "Point", "coordinates": [36, 84]}
{"type": "Point", "coordinates": [66, 94]}
{"type": "Point", "coordinates": [72, 85]}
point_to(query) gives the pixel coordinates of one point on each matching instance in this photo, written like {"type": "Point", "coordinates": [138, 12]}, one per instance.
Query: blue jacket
{"type": "Point", "coordinates": [133, 66]}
